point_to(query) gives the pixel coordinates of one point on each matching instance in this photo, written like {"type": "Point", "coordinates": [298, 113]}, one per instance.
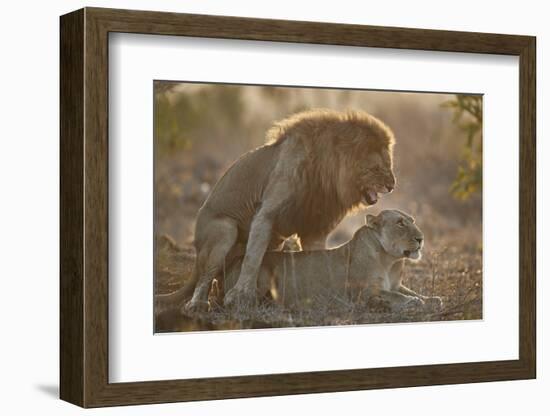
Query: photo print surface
{"type": "Point", "coordinates": [304, 207]}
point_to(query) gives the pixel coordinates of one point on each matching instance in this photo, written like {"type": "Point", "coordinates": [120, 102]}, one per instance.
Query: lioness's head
{"type": "Point", "coordinates": [397, 233]}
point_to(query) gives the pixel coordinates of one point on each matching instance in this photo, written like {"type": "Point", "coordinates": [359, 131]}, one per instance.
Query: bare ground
{"type": "Point", "coordinates": [451, 268]}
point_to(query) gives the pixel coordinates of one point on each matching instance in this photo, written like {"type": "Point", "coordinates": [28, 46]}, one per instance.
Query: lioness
{"type": "Point", "coordinates": [316, 167]}
{"type": "Point", "coordinates": [358, 270]}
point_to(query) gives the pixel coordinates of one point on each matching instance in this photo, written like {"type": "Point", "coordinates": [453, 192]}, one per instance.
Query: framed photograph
{"type": "Point", "coordinates": [255, 207]}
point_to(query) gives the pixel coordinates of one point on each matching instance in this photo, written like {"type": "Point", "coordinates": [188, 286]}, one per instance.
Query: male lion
{"type": "Point", "coordinates": [359, 270]}
{"type": "Point", "coordinates": [316, 167]}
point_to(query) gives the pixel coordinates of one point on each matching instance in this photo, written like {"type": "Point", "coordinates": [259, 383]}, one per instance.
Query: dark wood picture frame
{"type": "Point", "coordinates": [84, 207]}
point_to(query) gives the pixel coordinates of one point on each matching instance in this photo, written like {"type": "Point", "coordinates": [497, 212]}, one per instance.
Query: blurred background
{"type": "Point", "coordinates": [202, 128]}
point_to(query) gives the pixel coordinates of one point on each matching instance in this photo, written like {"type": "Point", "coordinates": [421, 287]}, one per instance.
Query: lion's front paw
{"type": "Point", "coordinates": [240, 298]}
{"type": "Point", "coordinates": [194, 306]}
{"type": "Point", "coordinates": [434, 303]}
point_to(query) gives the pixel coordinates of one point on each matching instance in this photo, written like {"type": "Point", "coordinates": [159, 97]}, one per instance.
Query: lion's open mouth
{"type": "Point", "coordinates": [371, 197]}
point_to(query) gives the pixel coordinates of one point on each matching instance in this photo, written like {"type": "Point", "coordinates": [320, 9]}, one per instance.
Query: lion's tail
{"type": "Point", "coordinates": [175, 300]}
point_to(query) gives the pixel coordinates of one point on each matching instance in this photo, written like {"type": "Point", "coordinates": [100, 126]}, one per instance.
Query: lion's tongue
{"type": "Point", "coordinates": [372, 197]}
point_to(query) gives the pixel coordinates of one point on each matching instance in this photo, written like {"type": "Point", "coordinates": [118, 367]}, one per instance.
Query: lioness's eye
{"type": "Point", "coordinates": [400, 223]}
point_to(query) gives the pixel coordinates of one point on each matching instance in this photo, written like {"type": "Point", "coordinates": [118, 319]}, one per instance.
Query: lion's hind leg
{"type": "Point", "coordinates": [211, 259]}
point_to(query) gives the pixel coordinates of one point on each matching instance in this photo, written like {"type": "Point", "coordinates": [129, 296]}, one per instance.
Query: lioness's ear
{"type": "Point", "coordinates": [370, 220]}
